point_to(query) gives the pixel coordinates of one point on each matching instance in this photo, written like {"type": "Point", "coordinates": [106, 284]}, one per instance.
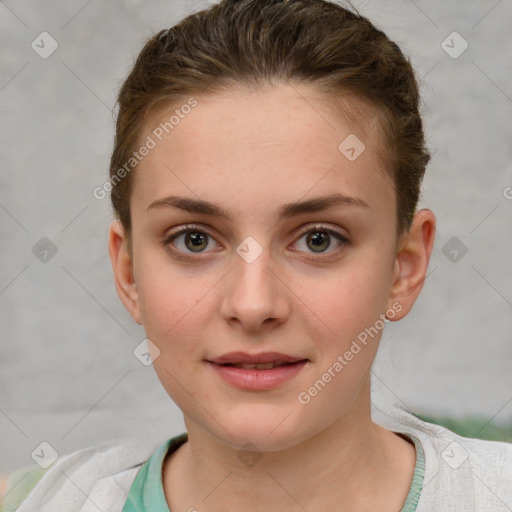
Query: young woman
{"type": "Point", "coordinates": [265, 177]}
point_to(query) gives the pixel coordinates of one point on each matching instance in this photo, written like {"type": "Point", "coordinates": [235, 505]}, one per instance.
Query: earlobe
{"type": "Point", "coordinates": [122, 266]}
{"type": "Point", "coordinates": [411, 263]}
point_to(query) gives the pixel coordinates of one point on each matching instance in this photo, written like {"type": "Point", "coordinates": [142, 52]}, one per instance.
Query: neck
{"type": "Point", "coordinates": [353, 465]}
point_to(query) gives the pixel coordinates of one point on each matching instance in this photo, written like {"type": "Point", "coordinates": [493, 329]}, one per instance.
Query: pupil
{"type": "Point", "coordinates": [198, 241]}
{"type": "Point", "coordinates": [320, 240]}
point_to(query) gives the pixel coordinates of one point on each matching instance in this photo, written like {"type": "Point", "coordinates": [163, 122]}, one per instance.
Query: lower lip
{"type": "Point", "coordinates": [257, 380]}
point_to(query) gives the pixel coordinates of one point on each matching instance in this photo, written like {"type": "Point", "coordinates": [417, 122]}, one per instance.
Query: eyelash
{"type": "Point", "coordinates": [193, 228]}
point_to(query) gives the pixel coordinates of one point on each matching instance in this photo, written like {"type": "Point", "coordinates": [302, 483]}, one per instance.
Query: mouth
{"type": "Point", "coordinates": [261, 361]}
{"type": "Point", "coordinates": [257, 372]}
{"type": "Point", "coordinates": [260, 366]}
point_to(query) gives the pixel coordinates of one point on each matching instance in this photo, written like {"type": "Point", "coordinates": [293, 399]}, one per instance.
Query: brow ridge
{"type": "Point", "coordinates": [288, 210]}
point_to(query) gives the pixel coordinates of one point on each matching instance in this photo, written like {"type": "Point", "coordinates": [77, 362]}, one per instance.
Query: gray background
{"type": "Point", "coordinates": [67, 370]}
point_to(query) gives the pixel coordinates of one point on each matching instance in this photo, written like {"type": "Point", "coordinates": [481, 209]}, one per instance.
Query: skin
{"type": "Point", "coordinates": [251, 152]}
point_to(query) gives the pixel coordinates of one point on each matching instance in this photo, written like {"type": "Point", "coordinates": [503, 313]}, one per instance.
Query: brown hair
{"type": "Point", "coordinates": [264, 42]}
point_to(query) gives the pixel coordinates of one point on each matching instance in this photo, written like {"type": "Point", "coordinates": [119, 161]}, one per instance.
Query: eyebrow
{"type": "Point", "coordinates": [286, 211]}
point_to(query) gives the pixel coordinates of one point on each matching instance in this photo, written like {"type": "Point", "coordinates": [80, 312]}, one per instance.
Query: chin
{"type": "Point", "coordinates": [268, 428]}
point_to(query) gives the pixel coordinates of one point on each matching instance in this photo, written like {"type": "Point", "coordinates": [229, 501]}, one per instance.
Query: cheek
{"type": "Point", "coordinates": [174, 313]}
{"type": "Point", "coordinates": [347, 301]}
{"type": "Point", "coordinates": [172, 317]}
{"type": "Point", "coordinates": [345, 325]}
{"type": "Point", "coordinates": [176, 306]}
{"type": "Point", "coordinates": [171, 298]}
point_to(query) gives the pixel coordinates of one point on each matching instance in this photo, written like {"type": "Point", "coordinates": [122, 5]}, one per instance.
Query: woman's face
{"type": "Point", "coordinates": [285, 271]}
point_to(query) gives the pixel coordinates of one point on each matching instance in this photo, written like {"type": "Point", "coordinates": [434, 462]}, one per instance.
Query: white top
{"type": "Point", "coordinates": [461, 474]}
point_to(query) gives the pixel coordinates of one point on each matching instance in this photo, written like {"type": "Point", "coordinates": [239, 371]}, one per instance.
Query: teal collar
{"type": "Point", "coordinates": [147, 491]}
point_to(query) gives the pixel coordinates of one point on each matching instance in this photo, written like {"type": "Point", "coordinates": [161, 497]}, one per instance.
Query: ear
{"type": "Point", "coordinates": [122, 265]}
{"type": "Point", "coordinates": [411, 263]}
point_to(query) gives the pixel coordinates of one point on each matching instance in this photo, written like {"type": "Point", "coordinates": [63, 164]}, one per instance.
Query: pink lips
{"type": "Point", "coordinates": [280, 368]}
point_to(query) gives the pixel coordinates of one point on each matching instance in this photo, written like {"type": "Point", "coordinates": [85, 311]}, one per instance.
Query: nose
{"type": "Point", "coordinates": [254, 294]}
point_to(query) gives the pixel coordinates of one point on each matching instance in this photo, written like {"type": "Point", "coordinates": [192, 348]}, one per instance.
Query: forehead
{"type": "Point", "coordinates": [283, 113]}
{"type": "Point", "coordinates": [278, 143]}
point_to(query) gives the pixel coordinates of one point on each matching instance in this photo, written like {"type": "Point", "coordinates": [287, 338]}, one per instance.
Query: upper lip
{"type": "Point", "coordinates": [263, 357]}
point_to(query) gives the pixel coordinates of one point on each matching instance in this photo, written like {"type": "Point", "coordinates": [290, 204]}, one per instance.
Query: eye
{"type": "Point", "coordinates": [190, 239]}
{"type": "Point", "coordinates": [318, 239]}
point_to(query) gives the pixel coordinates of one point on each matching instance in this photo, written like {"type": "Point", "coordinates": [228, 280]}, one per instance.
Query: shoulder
{"type": "Point", "coordinates": [102, 473]}
{"type": "Point", "coordinates": [460, 473]}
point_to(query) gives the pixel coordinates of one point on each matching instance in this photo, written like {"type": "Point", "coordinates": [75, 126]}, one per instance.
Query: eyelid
{"type": "Point", "coordinates": [170, 237]}
{"type": "Point", "coordinates": [318, 226]}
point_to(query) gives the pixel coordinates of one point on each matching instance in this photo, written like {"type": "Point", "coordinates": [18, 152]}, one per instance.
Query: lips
{"type": "Point", "coordinates": [257, 366]}
{"type": "Point", "coordinates": [262, 361]}
{"type": "Point", "coordinates": [257, 372]}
